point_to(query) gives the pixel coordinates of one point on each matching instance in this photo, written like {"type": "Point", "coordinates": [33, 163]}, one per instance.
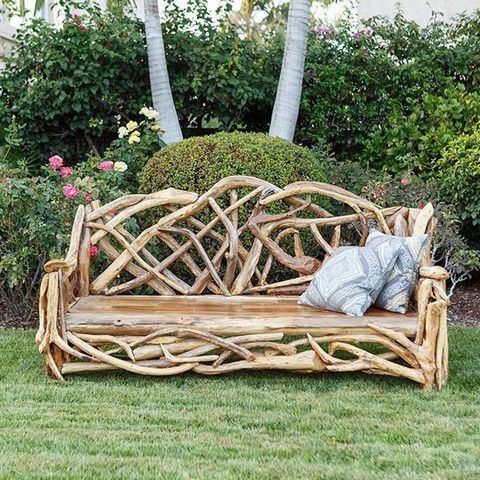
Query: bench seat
{"type": "Point", "coordinates": [220, 315]}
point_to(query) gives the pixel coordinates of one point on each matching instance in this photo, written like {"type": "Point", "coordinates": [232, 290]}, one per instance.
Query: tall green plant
{"type": "Point", "coordinates": [71, 85]}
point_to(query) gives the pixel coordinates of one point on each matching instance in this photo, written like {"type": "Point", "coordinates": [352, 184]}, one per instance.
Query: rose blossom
{"type": "Point", "coordinates": [93, 250]}
{"type": "Point", "coordinates": [120, 166]}
{"type": "Point", "coordinates": [420, 207]}
{"type": "Point", "coordinates": [66, 171]}
{"type": "Point", "coordinates": [70, 191]}
{"type": "Point", "coordinates": [56, 162]}
{"type": "Point", "coordinates": [108, 165]}
{"type": "Point", "coordinates": [88, 196]}
{"type": "Point", "coordinates": [404, 181]}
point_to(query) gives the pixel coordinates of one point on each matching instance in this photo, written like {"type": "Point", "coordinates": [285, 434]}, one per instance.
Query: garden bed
{"type": "Point", "coordinates": [465, 308]}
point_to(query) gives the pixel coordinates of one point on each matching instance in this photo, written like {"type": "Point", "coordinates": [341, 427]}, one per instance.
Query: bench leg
{"type": "Point", "coordinates": [48, 340]}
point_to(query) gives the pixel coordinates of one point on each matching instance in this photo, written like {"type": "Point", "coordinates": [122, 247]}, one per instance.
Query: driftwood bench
{"type": "Point", "coordinates": [211, 285]}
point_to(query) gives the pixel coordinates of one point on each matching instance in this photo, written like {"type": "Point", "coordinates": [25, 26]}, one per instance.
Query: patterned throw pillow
{"type": "Point", "coordinates": [399, 286]}
{"type": "Point", "coordinates": [351, 279]}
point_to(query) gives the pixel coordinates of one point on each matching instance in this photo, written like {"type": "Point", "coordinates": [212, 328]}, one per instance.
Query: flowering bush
{"type": "Point", "coordinates": [136, 142]}
{"type": "Point", "coordinates": [368, 91]}
{"type": "Point", "coordinates": [67, 84]}
{"type": "Point", "coordinates": [35, 222]}
{"type": "Point", "coordinates": [36, 211]}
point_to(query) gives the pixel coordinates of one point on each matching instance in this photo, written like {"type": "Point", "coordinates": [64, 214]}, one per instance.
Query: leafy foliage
{"type": "Point", "coordinates": [67, 85]}
{"type": "Point", "coordinates": [219, 79]}
{"type": "Point", "coordinates": [413, 141]}
{"type": "Point", "coordinates": [458, 171]}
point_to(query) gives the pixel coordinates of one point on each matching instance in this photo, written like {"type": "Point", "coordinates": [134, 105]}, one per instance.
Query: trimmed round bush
{"type": "Point", "coordinates": [197, 163]}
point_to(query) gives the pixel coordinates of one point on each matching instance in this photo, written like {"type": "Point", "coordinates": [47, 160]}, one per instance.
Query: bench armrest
{"type": "Point", "coordinates": [434, 273]}
{"type": "Point", "coordinates": [70, 262]}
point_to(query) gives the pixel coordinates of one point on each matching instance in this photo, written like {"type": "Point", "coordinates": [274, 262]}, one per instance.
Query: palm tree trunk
{"type": "Point", "coordinates": [289, 91]}
{"type": "Point", "coordinates": [159, 81]}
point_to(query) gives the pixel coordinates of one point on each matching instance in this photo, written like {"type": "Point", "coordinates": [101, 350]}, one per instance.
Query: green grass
{"type": "Point", "coordinates": [243, 426]}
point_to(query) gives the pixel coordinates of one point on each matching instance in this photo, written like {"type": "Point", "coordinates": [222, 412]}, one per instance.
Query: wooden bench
{"type": "Point", "coordinates": [211, 285]}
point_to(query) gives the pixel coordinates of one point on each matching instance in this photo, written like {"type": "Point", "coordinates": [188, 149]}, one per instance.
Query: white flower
{"type": "Point", "coordinates": [120, 166]}
{"type": "Point", "coordinates": [122, 132]}
{"type": "Point", "coordinates": [133, 139]}
{"type": "Point", "coordinates": [150, 113]}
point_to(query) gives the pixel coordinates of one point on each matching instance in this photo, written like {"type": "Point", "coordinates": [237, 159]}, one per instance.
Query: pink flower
{"type": "Point", "coordinates": [106, 165]}
{"type": "Point", "coordinates": [420, 207]}
{"type": "Point", "coordinates": [112, 212]}
{"type": "Point", "coordinates": [404, 181]}
{"type": "Point", "coordinates": [6, 180]}
{"type": "Point", "coordinates": [368, 31]}
{"type": "Point", "coordinates": [94, 250]}
{"type": "Point", "coordinates": [66, 171]}
{"type": "Point", "coordinates": [88, 196]}
{"type": "Point", "coordinates": [70, 191]}
{"type": "Point", "coordinates": [81, 27]}
{"type": "Point", "coordinates": [56, 162]}
{"type": "Point", "coordinates": [76, 16]}
{"type": "Point", "coordinates": [380, 192]}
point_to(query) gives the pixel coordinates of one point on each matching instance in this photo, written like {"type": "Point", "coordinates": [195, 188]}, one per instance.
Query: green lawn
{"type": "Point", "coordinates": [252, 426]}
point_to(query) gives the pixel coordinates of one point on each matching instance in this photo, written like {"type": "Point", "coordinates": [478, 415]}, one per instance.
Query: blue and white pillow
{"type": "Point", "coordinates": [352, 278]}
{"type": "Point", "coordinates": [399, 286]}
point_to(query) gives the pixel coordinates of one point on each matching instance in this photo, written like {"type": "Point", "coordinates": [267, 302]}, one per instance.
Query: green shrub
{"type": "Point", "coordinates": [199, 162]}
{"type": "Point", "coordinates": [413, 141]}
{"type": "Point", "coordinates": [355, 78]}
{"type": "Point", "coordinates": [221, 79]}
{"type": "Point", "coordinates": [67, 84]}
{"type": "Point", "coordinates": [390, 94]}
{"type": "Point", "coordinates": [458, 173]}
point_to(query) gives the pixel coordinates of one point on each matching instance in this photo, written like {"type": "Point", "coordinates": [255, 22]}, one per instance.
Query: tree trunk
{"type": "Point", "coordinates": [160, 84]}
{"type": "Point", "coordinates": [289, 91]}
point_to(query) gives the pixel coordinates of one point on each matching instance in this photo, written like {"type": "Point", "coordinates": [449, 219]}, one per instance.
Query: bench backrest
{"type": "Point", "coordinates": [243, 236]}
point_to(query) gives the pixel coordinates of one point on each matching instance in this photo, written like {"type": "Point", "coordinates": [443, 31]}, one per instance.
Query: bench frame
{"type": "Point", "coordinates": [234, 270]}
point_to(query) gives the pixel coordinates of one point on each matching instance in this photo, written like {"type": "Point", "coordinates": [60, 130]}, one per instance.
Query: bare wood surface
{"type": "Point", "coordinates": [170, 334]}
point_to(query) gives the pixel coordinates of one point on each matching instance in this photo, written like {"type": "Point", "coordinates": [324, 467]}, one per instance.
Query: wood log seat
{"type": "Point", "coordinates": [210, 285]}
